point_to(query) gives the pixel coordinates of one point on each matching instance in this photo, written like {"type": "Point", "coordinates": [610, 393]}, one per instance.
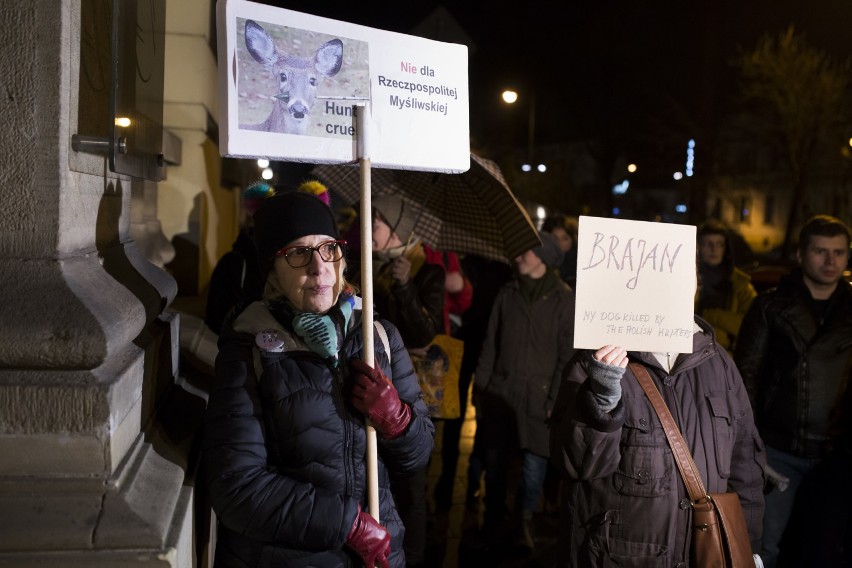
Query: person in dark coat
{"type": "Point", "coordinates": [793, 351]}
{"type": "Point", "coordinates": [409, 291]}
{"type": "Point", "coordinates": [284, 440]}
{"type": "Point", "coordinates": [625, 503]}
{"type": "Point", "coordinates": [529, 342]}
{"type": "Point", "coordinates": [236, 280]}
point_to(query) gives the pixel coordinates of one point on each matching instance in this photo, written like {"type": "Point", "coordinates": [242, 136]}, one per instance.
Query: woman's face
{"type": "Point", "coordinates": [711, 249]}
{"type": "Point", "coordinates": [383, 238]}
{"type": "Point", "coordinates": [565, 240]}
{"type": "Point", "coordinates": [315, 287]}
{"type": "Point", "coordinates": [529, 264]}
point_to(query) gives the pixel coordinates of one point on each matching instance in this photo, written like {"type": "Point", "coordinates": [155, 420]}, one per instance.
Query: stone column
{"type": "Point", "coordinates": [87, 475]}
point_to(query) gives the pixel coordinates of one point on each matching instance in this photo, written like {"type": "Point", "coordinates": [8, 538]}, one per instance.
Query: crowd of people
{"type": "Point", "coordinates": [762, 399]}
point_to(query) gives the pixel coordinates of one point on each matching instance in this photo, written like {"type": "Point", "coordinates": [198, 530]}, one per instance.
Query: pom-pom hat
{"type": "Point", "coordinates": [255, 194]}
{"type": "Point", "coordinates": [317, 188]}
{"type": "Point", "coordinates": [284, 218]}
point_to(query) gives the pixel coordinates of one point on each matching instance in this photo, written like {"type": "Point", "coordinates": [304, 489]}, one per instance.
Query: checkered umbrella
{"type": "Point", "coordinates": [474, 212]}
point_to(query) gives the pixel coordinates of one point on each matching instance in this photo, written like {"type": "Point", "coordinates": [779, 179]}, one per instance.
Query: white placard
{"type": "Point", "coordinates": [318, 68]}
{"type": "Point", "coordinates": [635, 285]}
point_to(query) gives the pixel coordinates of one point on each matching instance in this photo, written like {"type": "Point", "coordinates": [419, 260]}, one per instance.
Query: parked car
{"type": "Point", "coordinates": [767, 269]}
{"type": "Point", "coordinates": [765, 276]}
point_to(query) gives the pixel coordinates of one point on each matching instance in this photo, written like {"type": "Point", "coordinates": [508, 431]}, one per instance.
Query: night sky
{"type": "Point", "coordinates": [638, 74]}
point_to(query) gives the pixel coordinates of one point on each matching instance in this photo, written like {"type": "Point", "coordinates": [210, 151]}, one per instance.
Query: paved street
{"type": "Point", "coordinates": [454, 539]}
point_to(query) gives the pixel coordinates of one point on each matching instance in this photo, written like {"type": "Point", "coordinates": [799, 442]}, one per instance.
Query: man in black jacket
{"type": "Point", "coordinates": [793, 350]}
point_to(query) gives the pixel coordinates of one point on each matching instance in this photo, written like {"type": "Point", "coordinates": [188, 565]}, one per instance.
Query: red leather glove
{"type": "Point", "coordinates": [375, 397]}
{"type": "Point", "coordinates": [369, 540]}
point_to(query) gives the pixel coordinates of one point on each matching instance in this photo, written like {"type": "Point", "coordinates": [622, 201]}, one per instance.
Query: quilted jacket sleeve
{"type": "Point", "coordinates": [248, 495]}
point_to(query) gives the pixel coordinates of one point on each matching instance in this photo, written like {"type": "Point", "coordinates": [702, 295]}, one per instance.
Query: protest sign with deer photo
{"type": "Point", "coordinates": [289, 81]}
{"type": "Point", "coordinates": [635, 285]}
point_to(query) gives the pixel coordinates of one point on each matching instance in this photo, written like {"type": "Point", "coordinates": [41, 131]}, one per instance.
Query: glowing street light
{"type": "Point", "coordinates": [631, 168]}
{"type": "Point", "coordinates": [511, 97]}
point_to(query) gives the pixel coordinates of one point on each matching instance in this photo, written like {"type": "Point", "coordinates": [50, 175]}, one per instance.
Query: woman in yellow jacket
{"type": "Point", "coordinates": [724, 291]}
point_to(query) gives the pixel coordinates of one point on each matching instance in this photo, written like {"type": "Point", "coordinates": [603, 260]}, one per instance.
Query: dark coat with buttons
{"type": "Point", "coordinates": [625, 503]}
{"type": "Point", "coordinates": [284, 453]}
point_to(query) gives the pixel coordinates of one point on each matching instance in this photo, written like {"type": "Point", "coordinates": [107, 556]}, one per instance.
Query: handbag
{"type": "Point", "coordinates": [438, 367]}
{"type": "Point", "coordinates": [719, 533]}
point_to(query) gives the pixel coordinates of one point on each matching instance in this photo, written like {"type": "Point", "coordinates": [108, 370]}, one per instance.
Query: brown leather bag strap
{"type": "Point", "coordinates": [683, 458]}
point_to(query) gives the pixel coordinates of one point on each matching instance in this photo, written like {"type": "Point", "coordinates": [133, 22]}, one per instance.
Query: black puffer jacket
{"type": "Point", "coordinates": [793, 365]}
{"type": "Point", "coordinates": [284, 457]}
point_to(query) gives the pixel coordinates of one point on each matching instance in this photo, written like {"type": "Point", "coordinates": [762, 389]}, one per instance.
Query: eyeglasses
{"type": "Point", "coordinates": [300, 256]}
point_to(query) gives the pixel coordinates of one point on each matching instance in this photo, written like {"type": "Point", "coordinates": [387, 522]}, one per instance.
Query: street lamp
{"type": "Point", "coordinates": [511, 97]}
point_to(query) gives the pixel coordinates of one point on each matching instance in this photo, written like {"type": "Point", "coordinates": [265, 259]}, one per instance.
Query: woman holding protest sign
{"type": "Point", "coordinates": [625, 499]}
{"type": "Point", "coordinates": [284, 441]}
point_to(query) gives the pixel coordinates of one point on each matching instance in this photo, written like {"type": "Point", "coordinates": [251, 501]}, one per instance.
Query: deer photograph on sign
{"type": "Point", "coordinates": [289, 83]}
{"type": "Point", "coordinates": [289, 79]}
{"type": "Point", "coordinates": [636, 284]}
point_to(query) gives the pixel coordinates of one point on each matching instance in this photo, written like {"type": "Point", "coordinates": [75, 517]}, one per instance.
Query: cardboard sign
{"type": "Point", "coordinates": [288, 82]}
{"type": "Point", "coordinates": [635, 285]}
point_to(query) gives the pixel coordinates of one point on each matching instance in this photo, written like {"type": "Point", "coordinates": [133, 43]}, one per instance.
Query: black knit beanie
{"type": "Point", "coordinates": [286, 217]}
